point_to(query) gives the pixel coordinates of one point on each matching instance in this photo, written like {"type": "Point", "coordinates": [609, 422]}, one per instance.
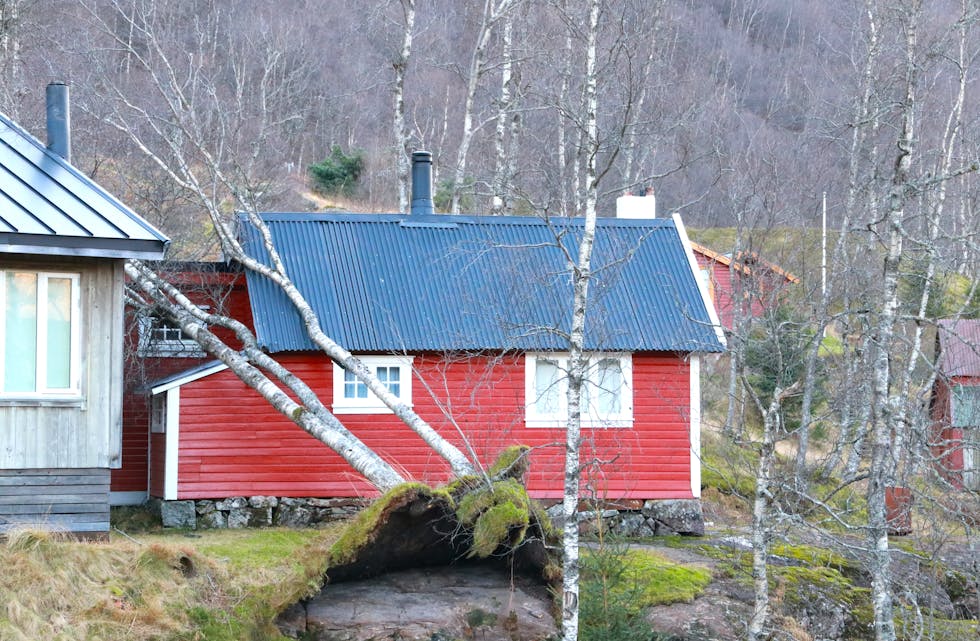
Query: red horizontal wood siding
{"type": "Point", "coordinates": [947, 441]}
{"type": "Point", "coordinates": [141, 458]}
{"type": "Point", "coordinates": [232, 443]}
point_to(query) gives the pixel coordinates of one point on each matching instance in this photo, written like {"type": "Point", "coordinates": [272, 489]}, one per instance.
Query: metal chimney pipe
{"type": "Point", "coordinates": [422, 184]}
{"type": "Point", "coordinates": [59, 119]}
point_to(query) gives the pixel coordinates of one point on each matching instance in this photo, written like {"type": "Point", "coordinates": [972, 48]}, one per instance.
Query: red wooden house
{"type": "Point", "coordinates": [463, 318]}
{"type": "Point", "coordinates": [955, 403]}
{"type": "Point", "coordinates": [759, 282]}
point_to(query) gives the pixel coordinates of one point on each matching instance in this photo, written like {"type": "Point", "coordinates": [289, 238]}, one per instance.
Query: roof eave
{"type": "Point", "coordinates": [79, 246]}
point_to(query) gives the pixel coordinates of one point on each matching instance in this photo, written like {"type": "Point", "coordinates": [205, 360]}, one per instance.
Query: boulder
{"type": "Point", "coordinates": [179, 514]}
{"type": "Point", "coordinates": [232, 503]}
{"type": "Point", "coordinates": [213, 520]}
{"type": "Point", "coordinates": [462, 602]}
{"type": "Point", "coordinates": [676, 516]}
{"type": "Point", "coordinates": [239, 518]}
{"type": "Point", "coordinates": [292, 513]}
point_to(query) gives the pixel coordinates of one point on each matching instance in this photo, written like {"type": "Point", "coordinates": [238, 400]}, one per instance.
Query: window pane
{"type": "Point", "coordinates": [20, 350]}
{"type": "Point", "coordinates": [390, 376]}
{"type": "Point", "coordinates": [350, 385]}
{"type": "Point", "coordinates": [966, 406]}
{"type": "Point", "coordinates": [59, 333]}
{"type": "Point", "coordinates": [546, 387]}
{"type": "Point", "coordinates": [610, 387]}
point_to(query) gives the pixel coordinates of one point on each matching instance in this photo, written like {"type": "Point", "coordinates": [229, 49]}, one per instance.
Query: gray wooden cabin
{"type": "Point", "coordinates": [63, 242]}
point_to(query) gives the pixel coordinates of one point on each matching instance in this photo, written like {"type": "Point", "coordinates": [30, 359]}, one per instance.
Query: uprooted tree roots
{"type": "Point", "coordinates": [414, 525]}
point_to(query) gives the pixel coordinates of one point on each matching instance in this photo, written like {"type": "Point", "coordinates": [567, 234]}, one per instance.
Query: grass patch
{"type": "Point", "coordinates": [220, 585]}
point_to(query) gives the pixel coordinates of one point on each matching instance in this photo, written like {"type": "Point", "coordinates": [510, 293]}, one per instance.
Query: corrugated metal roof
{"type": "Point", "coordinates": [387, 282]}
{"type": "Point", "coordinates": [959, 347]}
{"type": "Point", "coordinates": [49, 207]}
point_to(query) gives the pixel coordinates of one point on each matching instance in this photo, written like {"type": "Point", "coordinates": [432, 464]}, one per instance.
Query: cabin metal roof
{"type": "Point", "coordinates": [47, 206]}
{"type": "Point", "coordinates": [959, 347]}
{"type": "Point", "coordinates": [390, 282]}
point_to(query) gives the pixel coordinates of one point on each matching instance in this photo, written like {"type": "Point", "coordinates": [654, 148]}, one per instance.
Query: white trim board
{"type": "Point", "coordinates": [702, 289]}
{"type": "Point", "coordinates": [189, 378]}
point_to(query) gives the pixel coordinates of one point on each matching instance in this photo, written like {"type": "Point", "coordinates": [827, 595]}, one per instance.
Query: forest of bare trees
{"type": "Point", "coordinates": [746, 115]}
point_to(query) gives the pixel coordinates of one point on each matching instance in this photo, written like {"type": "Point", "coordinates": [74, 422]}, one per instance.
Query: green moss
{"type": "Point", "coordinates": [818, 557]}
{"type": "Point", "coordinates": [478, 501]}
{"type": "Point", "coordinates": [510, 460]}
{"type": "Point", "coordinates": [647, 578]}
{"type": "Point", "coordinates": [831, 346]}
{"type": "Point", "coordinates": [361, 530]}
{"type": "Point", "coordinates": [498, 514]}
{"type": "Point", "coordinates": [298, 414]}
{"type": "Point", "coordinates": [500, 524]}
{"type": "Point", "coordinates": [908, 627]}
{"type": "Point", "coordinates": [799, 585]}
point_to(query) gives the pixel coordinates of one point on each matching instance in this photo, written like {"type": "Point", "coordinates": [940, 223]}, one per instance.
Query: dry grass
{"type": "Point", "coordinates": [219, 585]}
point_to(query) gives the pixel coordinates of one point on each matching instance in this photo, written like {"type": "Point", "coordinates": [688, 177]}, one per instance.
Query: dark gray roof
{"type": "Point", "coordinates": [387, 282]}
{"type": "Point", "coordinates": [49, 207]}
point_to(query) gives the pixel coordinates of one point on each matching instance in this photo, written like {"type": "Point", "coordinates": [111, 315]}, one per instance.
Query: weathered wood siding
{"type": "Point", "coordinates": [75, 500]}
{"type": "Point", "coordinates": [75, 434]}
{"type": "Point", "coordinates": [232, 443]}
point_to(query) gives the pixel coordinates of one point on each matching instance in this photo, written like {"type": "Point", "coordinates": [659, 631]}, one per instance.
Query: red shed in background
{"type": "Point", "coordinates": [955, 403]}
{"type": "Point", "coordinates": [759, 282]}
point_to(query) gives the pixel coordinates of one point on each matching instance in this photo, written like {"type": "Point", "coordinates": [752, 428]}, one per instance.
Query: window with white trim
{"type": "Point", "coordinates": [40, 332]}
{"type": "Point", "coordinates": [158, 413]}
{"type": "Point", "coordinates": [352, 396]}
{"type": "Point", "coordinates": [159, 336]}
{"type": "Point", "coordinates": [607, 392]}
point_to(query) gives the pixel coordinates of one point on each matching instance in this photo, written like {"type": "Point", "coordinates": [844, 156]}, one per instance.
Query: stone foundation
{"type": "Point", "coordinates": [654, 518]}
{"type": "Point", "coordinates": [256, 511]}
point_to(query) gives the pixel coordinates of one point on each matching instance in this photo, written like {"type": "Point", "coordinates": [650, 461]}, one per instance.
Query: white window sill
{"type": "Point", "coordinates": [362, 409]}
{"type": "Point", "coordinates": [42, 401]}
{"type": "Point", "coordinates": [554, 423]}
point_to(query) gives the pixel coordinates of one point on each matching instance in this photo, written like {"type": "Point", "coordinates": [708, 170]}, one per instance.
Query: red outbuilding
{"type": "Point", "coordinates": [955, 403]}
{"type": "Point", "coordinates": [758, 283]}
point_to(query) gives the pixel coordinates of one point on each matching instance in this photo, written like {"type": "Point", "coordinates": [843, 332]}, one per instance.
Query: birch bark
{"type": "Point", "coordinates": [581, 275]}
{"type": "Point", "coordinates": [886, 408]}
{"type": "Point", "coordinates": [402, 137]}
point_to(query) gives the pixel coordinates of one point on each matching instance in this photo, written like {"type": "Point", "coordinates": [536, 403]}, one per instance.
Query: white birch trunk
{"type": "Point", "coordinates": [219, 177]}
{"type": "Point", "coordinates": [581, 275]}
{"type": "Point", "coordinates": [758, 628]}
{"type": "Point", "coordinates": [402, 137]}
{"type": "Point", "coordinates": [499, 197]}
{"type": "Point", "coordinates": [309, 413]}
{"type": "Point", "coordinates": [886, 408]}
{"type": "Point", "coordinates": [491, 14]}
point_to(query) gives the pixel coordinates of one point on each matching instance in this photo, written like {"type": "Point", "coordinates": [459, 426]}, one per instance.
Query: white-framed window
{"type": "Point", "coordinates": [158, 414]}
{"type": "Point", "coordinates": [159, 336]}
{"type": "Point", "coordinates": [351, 396]}
{"type": "Point", "coordinates": [40, 332]}
{"type": "Point", "coordinates": [607, 393]}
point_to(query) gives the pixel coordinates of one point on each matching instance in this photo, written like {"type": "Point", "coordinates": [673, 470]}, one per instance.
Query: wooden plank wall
{"type": "Point", "coordinates": [66, 500]}
{"type": "Point", "coordinates": [76, 433]}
